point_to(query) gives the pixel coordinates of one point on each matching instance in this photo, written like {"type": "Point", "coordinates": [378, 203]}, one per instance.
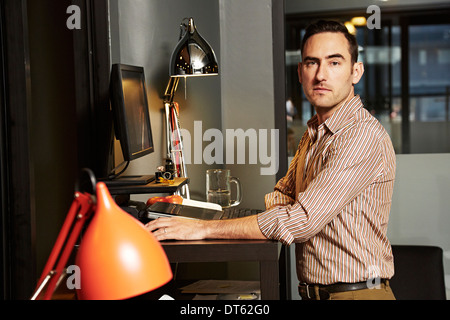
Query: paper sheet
{"type": "Point", "coordinates": [222, 287]}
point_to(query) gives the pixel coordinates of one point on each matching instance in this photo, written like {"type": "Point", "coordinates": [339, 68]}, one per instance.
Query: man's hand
{"type": "Point", "coordinates": [177, 229]}
{"type": "Point", "coordinates": [192, 229]}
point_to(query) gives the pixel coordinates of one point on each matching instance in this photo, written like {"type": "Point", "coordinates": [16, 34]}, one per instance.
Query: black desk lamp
{"type": "Point", "coordinates": [192, 56]}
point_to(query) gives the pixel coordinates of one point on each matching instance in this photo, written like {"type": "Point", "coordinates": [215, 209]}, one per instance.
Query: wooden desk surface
{"type": "Point", "coordinates": [221, 250]}
{"type": "Point", "coordinates": [266, 252]}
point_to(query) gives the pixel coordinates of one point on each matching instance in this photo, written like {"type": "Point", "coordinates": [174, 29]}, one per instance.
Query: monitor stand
{"type": "Point", "coordinates": [129, 180]}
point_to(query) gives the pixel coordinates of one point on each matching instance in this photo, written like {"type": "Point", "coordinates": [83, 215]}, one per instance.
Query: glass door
{"type": "Point", "coordinates": [429, 88]}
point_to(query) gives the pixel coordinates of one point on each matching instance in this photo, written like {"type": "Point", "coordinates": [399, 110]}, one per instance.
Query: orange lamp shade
{"type": "Point", "coordinates": [118, 258]}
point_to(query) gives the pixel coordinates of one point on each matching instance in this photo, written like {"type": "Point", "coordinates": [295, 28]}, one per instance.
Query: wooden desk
{"type": "Point", "coordinates": [265, 252]}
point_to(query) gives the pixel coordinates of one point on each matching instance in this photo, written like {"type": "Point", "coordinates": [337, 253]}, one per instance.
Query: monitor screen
{"type": "Point", "coordinates": [132, 126]}
{"type": "Point", "coordinates": [130, 111]}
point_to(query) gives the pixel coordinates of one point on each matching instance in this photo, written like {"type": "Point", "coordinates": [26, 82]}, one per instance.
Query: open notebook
{"type": "Point", "coordinates": [166, 209]}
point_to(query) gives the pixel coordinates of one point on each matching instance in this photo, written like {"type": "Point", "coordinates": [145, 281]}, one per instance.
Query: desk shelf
{"type": "Point", "coordinates": [151, 187]}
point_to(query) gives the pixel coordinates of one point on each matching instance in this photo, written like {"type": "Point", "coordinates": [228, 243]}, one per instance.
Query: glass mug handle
{"type": "Point", "coordinates": [238, 200]}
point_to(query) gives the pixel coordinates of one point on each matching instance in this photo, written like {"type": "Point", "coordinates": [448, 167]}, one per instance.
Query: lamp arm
{"type": "Point", "coordinates": [172, 125]}
{"type": "Point", "coordinates": [168, 101]}
{"type": "Point", "coordinates": [169, 94]}
{"type": "Point", "coordinates": [171, 88]}
{"type": "Point", "coordinates": [81, 209]}
{"type": "Point", "coordinates": [167, 106]}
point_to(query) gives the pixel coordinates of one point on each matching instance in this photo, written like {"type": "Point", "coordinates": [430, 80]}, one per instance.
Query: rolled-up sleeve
{"type": "Point", "coordinates": [344, 174]}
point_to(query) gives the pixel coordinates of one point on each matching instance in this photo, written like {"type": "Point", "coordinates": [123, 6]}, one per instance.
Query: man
{"type": "Point", "coordinates": [335, 199]}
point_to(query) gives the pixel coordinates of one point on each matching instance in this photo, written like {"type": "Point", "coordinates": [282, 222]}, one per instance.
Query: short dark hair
{"type": "Point", "coordinates": [332, 26]}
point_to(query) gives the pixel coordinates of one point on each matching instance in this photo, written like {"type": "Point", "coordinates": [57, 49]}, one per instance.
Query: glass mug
{"type": "Point", "coordinates": [218, 188]}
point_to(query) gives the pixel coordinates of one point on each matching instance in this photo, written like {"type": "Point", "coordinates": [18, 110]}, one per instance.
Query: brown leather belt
{"type": "Point", "coordinates": [308, 291]}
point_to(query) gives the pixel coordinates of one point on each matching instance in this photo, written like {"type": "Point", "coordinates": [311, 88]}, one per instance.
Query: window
{"type": "Point", "coordinates": [406, 84]}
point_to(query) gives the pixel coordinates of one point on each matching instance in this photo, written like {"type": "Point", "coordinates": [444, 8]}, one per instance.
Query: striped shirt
{"type": "Point", "coordinates": [335, 199]}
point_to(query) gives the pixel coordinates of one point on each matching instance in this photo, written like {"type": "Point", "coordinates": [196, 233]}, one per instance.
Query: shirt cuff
{"type": "Point", "coordinates": [276, 199]}
{"type": "Point", "coordinates": [271, 223]}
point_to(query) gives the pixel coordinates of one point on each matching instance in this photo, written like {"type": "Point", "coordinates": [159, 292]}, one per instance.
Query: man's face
{"type": "Point", "coordinates": [326, 71]}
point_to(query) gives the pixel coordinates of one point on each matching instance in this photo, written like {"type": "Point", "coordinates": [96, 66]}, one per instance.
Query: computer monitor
{"type": "Point", "coordinates": [132, 126]}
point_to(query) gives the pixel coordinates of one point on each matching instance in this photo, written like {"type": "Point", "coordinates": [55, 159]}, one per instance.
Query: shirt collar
{"type": "Point", "coordinates": [341, 118]}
